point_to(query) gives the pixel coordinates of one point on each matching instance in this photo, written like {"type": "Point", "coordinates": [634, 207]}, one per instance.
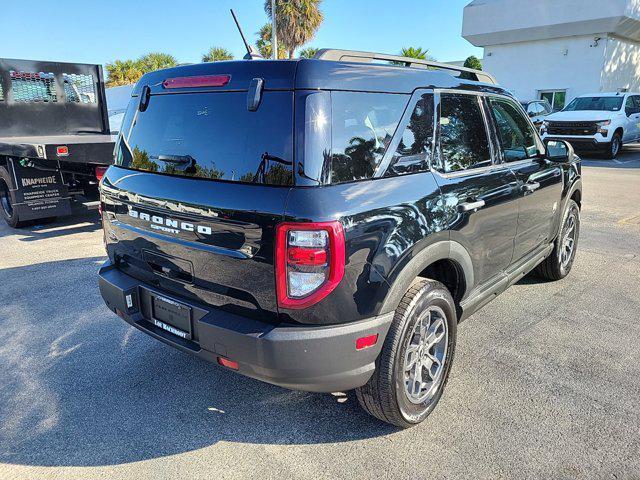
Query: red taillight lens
{"type": "Point", "coordinates": [62, 151]}
{"type": "Point", "coordinates": [310, 261]}
{"type": "Point", "coordinates": [197, 81]}
{"type": "Point", "coordinates": [100, 171]}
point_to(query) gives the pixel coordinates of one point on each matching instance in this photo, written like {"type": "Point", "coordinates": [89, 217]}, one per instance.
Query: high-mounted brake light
{"type": "Point", "coordinates": [197, 81]}
{"type": "Point", "coordinates": [310, 260]}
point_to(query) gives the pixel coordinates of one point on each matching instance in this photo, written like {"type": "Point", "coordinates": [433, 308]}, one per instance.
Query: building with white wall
{"type": "Point", "coordinates": [557, 49]}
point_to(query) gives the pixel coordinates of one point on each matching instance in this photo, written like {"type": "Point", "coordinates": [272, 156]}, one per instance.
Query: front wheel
{"type": "Point", "coordinates": [414, 365]}
{"type": "Point", "coordinates": [615, 146]}
{"type": "Point", "coordinates": [558, 265]}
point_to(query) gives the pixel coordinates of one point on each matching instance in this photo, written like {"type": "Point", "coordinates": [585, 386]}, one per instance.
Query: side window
{"type": "Point", "coordinates": [362, 127]}
{"type": "Point", "coordinates": [629, 105]}
{"type": "Point", "coordinates": [414, 150]}
{"type": "Point", "coordinates": [517, 139]}
{"type": "Point", "coordinates": [463, 137]}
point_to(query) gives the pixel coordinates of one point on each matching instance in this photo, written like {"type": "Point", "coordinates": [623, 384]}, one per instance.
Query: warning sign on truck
{"type": "Point", "coordinates": [39, 193]}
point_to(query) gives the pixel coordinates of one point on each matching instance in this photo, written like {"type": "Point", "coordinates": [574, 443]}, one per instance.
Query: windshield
{"type": "Point", "coordinates": [610, 104]}
{"type": "Point", "coordinates": [211, 135]}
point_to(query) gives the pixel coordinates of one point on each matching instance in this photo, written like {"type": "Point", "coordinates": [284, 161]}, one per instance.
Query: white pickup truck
{"type": "Point", "coordinates": [601, 122]}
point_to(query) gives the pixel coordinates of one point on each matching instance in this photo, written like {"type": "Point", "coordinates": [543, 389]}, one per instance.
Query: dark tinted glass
{"type": "Point", "coordinates": [463, 137]}
{"type": "Point", "coordinates": [612, 104]}
{"type": "Point", "coordinates": [214, 136]}
{"type": "Point", "coordinates": [514, 131]}
{"type": "Point", "coordinates": [362, 127]}
{"type": "Point", "coordinates": [414, 150]}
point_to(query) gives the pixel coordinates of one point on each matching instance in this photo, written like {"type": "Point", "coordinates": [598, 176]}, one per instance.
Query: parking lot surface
{"type": "Point", "coordinates": [545, 384]}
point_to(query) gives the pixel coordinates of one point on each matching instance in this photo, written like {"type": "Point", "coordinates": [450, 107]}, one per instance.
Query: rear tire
{"type": "Point", "coordinates": [413, 367]}
{"type": "Point", "coordinates": [615, 146]}
{"type": "Point", "coordinates": [558, 264]}
{"type": "Point", "coordinates": [6, 207]}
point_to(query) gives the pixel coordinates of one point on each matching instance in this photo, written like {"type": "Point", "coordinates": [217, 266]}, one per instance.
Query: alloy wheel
{"type": "Point", "coordinates": [568, 239]}
{"type": "Point", "coordinates": [425, 355]}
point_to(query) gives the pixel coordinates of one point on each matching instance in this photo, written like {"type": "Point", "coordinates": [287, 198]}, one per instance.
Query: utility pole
{"type": "Point", "coordinates": [274, 35]}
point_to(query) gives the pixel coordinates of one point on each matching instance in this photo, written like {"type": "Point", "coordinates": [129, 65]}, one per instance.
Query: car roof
{"type": "Point", "coordinates": [315, 74]}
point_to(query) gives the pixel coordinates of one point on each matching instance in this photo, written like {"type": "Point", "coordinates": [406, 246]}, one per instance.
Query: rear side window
{"type": "Point", "coordinates": [516, 136]}
{"type": "Point", "coordinates": [362, 126]}
{"type": "Point", "coordinates": [413, 153]}
{"type": "Point", "coordinates": [211, 135]}
{"type": "Point", "coordinates": [463, 136]}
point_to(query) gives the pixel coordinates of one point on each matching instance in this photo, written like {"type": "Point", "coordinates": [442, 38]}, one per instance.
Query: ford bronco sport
{"type": "Point", "coordinates": [325, 224]}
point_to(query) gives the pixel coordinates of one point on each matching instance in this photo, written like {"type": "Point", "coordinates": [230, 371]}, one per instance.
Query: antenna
{"type": "Point", "coordinates": [252, 53]}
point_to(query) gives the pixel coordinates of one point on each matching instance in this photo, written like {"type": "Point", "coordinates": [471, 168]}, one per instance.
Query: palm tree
{"type": "Point", "coordinates": [217, 54]}
{"type": "Point", "coordinates": [126, 72]}
{"type": "Point", "coordinates": [264, 43]}
{"type": "Point", "coordinates": [156, 61]}
{"type": "Point", "coordinates": [297, 21]}
{"type": "Point", "coordinates": [308, 52]}
{"type": "Point", "coordinates": [123, 72]}
{"type": "Point", "coordinates": [416, 52]}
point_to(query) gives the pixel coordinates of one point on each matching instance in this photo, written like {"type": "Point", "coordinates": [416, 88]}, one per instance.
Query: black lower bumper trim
{"type": "Point", "coordinates": [318, 359]}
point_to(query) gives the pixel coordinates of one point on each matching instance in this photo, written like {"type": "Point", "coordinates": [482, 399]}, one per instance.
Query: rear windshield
{"type": "Point", "coordinates": [611, 104]}
{"type": "Point", "coordinates": [213, 136]}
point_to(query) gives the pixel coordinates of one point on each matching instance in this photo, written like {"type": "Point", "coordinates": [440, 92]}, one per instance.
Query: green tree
{"type": "Point", "coordinates": [122, 72]}
{"type": "Point", "coordinates": [308, 52]}
{"type": "Point", "coordinates": [263, 43]}
{"type": "Point", "coordinates": [297, 21]}
{"type": "Point", "coordinates": [156, 61]}
{"type": "Point", "coordinates": [126, 72]}
{"type": "Point", "coordinates": [217, 54]}
{"type": "Point", "coordinates": [473, 62]}
{"type": "Point", "coordinates": [416, 52]}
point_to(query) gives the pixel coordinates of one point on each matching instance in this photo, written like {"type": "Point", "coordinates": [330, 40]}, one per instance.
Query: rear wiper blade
{"type": "Point", "coordinates": [177, 159]}
{"type": "Point", "coordinates": [182, 162]}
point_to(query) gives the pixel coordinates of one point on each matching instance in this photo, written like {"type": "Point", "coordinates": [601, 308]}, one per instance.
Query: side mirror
{"type": "Point", "coordinates": [531, 114]}
{"type": "Point", "coordinates": [560, 151]}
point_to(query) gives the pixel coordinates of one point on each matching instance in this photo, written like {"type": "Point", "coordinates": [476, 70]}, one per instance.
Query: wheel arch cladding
{"type": "Point", "coordinates": [436, 260]}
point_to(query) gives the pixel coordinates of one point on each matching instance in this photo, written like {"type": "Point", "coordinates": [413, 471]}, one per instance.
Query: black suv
{"type": "Point", "coordinates": [325, 224]}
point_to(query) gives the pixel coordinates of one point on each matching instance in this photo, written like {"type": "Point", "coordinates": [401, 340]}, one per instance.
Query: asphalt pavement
{"type": "Point", "coordinates": [545, 383]}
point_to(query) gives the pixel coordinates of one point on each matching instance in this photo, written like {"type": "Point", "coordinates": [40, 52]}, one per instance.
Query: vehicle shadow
{"type": "Point", "coordinates": [81, 221]}
{"type": "Point", "coordinates": [629, 157]}
{"type": "Point", "coordinates": [79, 387]}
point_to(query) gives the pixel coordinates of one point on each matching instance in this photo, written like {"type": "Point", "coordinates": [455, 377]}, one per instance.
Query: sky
{"type": "Point", "coordinates": [100, 32]}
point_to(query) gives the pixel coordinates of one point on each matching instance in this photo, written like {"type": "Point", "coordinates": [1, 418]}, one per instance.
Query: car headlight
{"type": "Point", "coordinates": [601, 127]}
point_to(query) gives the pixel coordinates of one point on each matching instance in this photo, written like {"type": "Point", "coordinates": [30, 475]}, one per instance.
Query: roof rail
{"type": "Point", "coordinates": [369, 57]}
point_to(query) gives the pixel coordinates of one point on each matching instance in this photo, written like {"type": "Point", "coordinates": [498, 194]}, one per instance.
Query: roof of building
{"type": "Point", "coordinates": [497, 22]}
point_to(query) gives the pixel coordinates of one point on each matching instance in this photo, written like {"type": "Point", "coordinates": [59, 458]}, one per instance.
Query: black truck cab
{"type": "Point", "coordinates": [324, 224]}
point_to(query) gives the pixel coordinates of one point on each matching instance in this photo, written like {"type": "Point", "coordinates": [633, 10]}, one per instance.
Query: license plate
{"type": "Point", "coordinates": [172, 316]}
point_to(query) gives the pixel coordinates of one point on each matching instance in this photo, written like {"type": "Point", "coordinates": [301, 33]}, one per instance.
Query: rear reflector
{"type": "Point", "coordinates": [366, 342]}
{"type": "Point", "coordinates": [100, 171]}
{"type": "Point", "coordinates": [225, 362]}
{"type": "Point", "coordinates": [62, 151]}
{"type": "Point", "coordinates": [197, 81]}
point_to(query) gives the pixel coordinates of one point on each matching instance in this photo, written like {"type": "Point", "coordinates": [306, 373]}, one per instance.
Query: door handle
{"type": "Point", "coordinates": [471, 206]}
{"type": "Point", "coordinates": [531, 186]}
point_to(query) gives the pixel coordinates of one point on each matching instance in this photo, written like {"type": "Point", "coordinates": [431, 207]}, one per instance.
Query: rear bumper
{"type": "Point", "coordinates": [317, 359]}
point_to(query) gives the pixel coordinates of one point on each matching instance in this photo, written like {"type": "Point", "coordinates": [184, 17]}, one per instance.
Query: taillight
{"type": "Point", "coordinates": [100, 171]}
{"type": "Point", "coordinates": [310, 261]}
